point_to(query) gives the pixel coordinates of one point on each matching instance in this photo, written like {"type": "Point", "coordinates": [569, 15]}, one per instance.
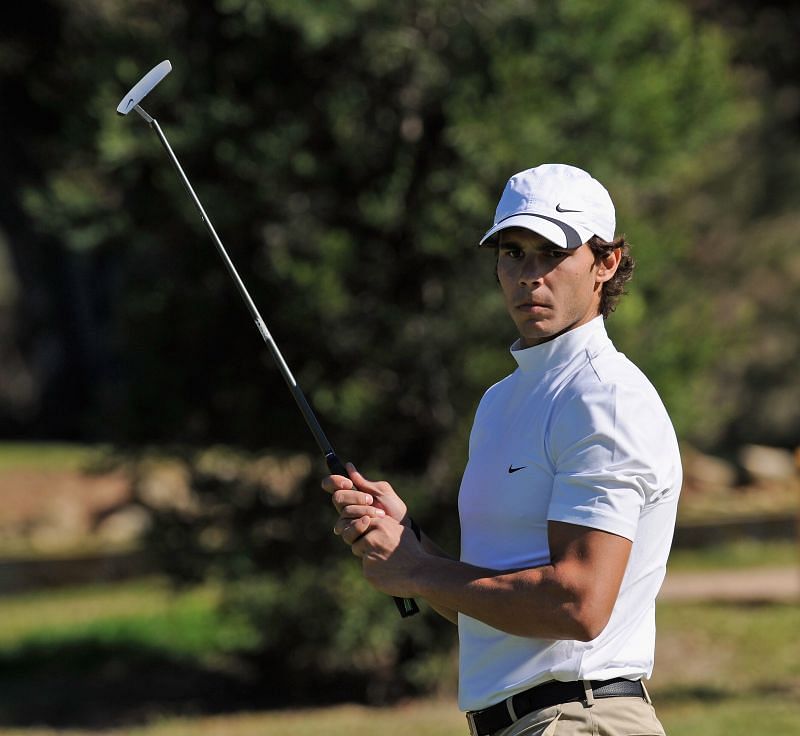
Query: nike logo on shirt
{"type": "Point", "coordinates": [512, 469]}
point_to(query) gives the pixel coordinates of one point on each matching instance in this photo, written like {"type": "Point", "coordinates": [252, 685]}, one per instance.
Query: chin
{"type": "Point", "coordinates": [530, 339]}
{"type": "Point", "coordinates": [534, 333]}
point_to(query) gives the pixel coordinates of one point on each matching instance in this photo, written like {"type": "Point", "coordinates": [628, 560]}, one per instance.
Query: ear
{"type": "Point", "coordinates": [607, 265]}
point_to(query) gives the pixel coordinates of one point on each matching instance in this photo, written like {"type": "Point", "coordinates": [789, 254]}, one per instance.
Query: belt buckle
{"type": "Point", "coordinates": [473, 729]}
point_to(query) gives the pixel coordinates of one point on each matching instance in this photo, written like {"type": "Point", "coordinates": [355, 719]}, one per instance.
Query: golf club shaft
{"type": "Point", "coordinates": [406, 606]}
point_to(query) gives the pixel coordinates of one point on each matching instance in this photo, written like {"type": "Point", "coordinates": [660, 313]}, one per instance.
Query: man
{"type": "Point", "coordinates": [568, 501]}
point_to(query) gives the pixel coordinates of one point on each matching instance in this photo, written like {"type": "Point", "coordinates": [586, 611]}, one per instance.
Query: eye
{"type": "Point", "coordinates": [557, 253]}
{"type": "Point", "coordinates": [512, 251]}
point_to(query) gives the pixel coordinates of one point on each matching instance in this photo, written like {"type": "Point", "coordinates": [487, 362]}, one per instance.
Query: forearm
{"type": "Point", "coordinates": [540, 602]}
{"type": "Point", "coordinates": [570, 598]}
{"type": "Point", "coordinates": [433, 549]}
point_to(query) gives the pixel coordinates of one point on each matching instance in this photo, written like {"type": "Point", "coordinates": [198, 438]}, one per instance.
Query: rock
{"type": "Point", "coordinates": [704, 472]}
{"type": "Point", "coordinates": [767, 463]}
{"type": "Point", "coordinates": [165, 486]}
{"type": "Point", "coordinates": [124, 526]}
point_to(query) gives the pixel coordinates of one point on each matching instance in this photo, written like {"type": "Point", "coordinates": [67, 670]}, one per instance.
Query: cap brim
{"type": "Point", "coordinates": [560, 233]}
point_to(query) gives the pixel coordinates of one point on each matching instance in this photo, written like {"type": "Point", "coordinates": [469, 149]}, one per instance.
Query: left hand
{"type": "Point", "coordinates": [390, 553]}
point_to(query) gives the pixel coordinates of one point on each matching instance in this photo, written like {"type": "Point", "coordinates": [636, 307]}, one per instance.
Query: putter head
{"type": "Point", "coordinates": [142, 88]}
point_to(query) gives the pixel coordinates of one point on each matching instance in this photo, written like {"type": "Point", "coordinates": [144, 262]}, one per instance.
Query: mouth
{"type": "Point", "coordinates": [532, 307]}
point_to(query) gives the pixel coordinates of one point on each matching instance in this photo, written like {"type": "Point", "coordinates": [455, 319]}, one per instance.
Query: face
{"type": "Point", "coordinates": [548, 289]}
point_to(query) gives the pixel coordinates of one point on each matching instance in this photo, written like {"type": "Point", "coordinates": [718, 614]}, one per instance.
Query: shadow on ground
{"type": "Point", "coordinates": [674, 694]}
{"type": "Point", "coordinates": [87, 683]}
{"type": "Point", "coordinates": [711, 695]}
{"type": "Point", "coordinates": [91, 684]}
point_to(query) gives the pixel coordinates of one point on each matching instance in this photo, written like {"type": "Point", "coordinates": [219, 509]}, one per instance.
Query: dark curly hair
{"type": "Point", "coordinates": [614, 288]}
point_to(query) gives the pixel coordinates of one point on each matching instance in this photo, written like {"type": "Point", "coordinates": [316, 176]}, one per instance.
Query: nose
{"type": "Point", "coordinates": [532, 269]}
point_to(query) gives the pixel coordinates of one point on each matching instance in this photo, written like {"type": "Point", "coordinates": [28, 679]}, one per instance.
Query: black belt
{"type": "Point", "coordinates": [498, 716]}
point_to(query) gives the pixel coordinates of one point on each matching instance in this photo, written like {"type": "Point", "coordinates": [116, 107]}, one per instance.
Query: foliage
{"type": "Point", "coordinates": [753, 226]}
{"type": "Point", "coordinates": [254, 525]}
{"type": "Point", "coordinates": [350, 156]}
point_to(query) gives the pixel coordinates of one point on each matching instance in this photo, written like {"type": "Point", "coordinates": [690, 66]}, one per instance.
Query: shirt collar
{"type": "Point", "coordinates": [562, 349]}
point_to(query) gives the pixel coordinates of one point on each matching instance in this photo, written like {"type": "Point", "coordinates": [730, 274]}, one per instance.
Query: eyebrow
{"type": "Point", "coordinates": [541, 245]}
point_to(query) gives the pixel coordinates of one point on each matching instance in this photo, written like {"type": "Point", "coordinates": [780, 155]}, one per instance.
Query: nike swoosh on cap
{"type": "Point", "coordinates": [559, 208]}
{"type": "Point", "coordinates": [512, 469]}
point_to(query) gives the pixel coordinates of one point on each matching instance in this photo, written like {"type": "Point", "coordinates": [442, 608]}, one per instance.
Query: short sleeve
{"type": "Point", "coordinates": [605, 459]}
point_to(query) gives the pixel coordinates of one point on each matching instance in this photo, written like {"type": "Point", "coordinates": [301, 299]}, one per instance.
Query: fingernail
{"type": "Point", "coordinates": [380, 512]}
{"type": "Point", "coordinates": [369, 498]}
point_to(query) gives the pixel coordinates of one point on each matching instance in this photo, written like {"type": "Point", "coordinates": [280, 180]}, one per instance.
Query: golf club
{"type": "Point", "coordinates": [130, 101]}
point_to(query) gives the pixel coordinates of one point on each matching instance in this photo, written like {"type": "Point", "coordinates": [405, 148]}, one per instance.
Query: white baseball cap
{"type": "Point", "coordinates": [562, 203]}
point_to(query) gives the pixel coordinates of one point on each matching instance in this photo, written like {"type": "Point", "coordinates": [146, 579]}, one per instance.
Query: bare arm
{"type": "Point", "coordinates": [571, 598]}
{"type": "Point", "coordinates": [433, 549]}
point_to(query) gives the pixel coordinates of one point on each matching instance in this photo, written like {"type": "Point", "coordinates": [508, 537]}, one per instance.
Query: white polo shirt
{"type": "Point", "coordinates": [576, 434]}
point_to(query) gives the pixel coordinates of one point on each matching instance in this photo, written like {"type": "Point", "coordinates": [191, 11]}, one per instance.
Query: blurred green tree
{"type": "Point", "coordinates": [351, 155]}
{"type": "Point", "coordinates": [755, 226]}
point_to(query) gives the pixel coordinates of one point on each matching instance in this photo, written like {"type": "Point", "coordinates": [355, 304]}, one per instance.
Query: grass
{"type": "Point", "coordinates": [745, 716]}
{"type": "Point", "coordinates": [421, 718]}
{"type": "Point", "coordinates": [737, 555]}
{"type": "Point", "coordinates": [123, 653]}
{"type": "Point", "coordinates": [720, 668]}
{"type": "Point", "coordinates": [61, 611]}
{"type": "Point", "coordinates": [777, 498]}
{"type": "Point", "coordinates": [48, 456]}
{"type": "Point", "coordinates": [727, 647]}
{"type": "Point", "coordinates": [144, 611]}
{"type": "Point", "coordinates": [432, 718]}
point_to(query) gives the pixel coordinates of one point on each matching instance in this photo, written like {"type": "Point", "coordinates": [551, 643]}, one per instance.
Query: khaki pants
{"type": "Point", "coordinates": [605, 717]}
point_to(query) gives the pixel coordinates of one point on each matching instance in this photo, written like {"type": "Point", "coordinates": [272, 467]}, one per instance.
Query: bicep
{"type": "Point", "coordinates": [591, 563]}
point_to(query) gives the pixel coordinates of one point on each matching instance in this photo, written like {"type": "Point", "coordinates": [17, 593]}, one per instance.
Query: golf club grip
{"type": "Point", "coordinates": [335, 465]}
{"type": "Point", "coordinates": [406, 606]}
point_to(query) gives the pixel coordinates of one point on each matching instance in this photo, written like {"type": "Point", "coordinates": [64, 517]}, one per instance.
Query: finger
{"type": "Point", "coordinates": [333, 483]}
{"type": "Point", "coordinates": [344, 498]}
{"type": "Point", "coordinates": [377, 488]}
{"type": "Point", "coordinates": [355, 512]}
{"type": "Point", "coordinates": [351, 513]}
{"type": "Point", "coordinates": [354, 531]}
{"type": "Point", "coordinates": [359, 481]}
